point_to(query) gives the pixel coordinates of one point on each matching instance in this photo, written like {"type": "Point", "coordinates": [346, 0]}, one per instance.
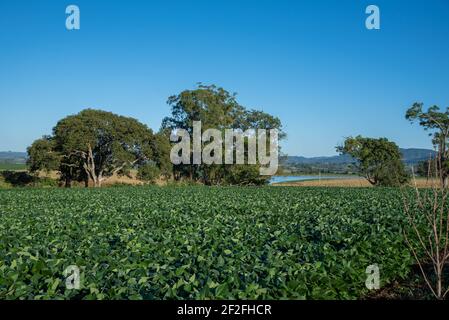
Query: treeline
{"type": "Point", "coordinates": [94, 145]}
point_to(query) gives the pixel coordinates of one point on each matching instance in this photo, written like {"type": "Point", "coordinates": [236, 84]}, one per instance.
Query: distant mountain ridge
{"type": "Point", "coordinates": [13, 157]}
{"type": "Point", "coordinates": [414, 155]}
{"type": "Point", "coordinates": [409, 156]}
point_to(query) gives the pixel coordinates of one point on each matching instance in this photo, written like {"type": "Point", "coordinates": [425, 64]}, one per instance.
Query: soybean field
{"type": "Point", "coordinates": [199, 242]}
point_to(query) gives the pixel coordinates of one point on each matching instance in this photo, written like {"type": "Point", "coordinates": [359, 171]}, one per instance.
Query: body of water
{"type": "Point", "coordinates": [278, 179]}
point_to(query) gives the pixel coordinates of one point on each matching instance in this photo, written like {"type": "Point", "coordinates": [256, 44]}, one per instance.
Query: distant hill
{"type": "Point", "coordinates": [13, 157]}
{"type": "Point", "coordinates": [410, 156]}
{"type": "Point", "coordinates": [413, 155]}
{"type": "Point", "coordinates": [340, 159]}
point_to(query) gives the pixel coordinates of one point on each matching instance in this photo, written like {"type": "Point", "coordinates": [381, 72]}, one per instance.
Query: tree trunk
{"type": "Point", "coordinates": [99, 179]}
{"type": "Point", "coordinates": [89, 166]}
{"type": "Point", "coordinates": [96, 172]}
{"type": "Point", "coordinates": [97, 182]}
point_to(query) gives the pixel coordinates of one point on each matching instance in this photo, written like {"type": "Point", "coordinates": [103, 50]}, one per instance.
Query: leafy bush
{"type": "Point", "coordinates": [24, 179]}
{"type": "Point", "coordinates": [148, 173]}
{"type": "Point", "coordinates": [244, 175]}
{"type": "Point", "coordinates": [18, 178]}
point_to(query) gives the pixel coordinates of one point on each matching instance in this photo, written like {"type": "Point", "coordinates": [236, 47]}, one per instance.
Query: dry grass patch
{"type": "Point", "coordinates": [351, 182]}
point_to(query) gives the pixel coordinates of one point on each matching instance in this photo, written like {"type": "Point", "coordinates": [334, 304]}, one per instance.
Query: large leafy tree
{"type": "Point", "coordinates": [436, 123]}
{"type": "Point", "coordinates": [95, 145]}
{"type": "Point", "coordinates": [213, 106]}
{"type": "Point", "coordinates": [379, 160]}
{"type": "Point", "coordinates": [216, 108]}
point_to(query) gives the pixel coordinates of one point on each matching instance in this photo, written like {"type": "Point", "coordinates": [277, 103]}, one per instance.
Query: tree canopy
{"type": "Point", "coordinates": [437, 123]}
{"type": "Point", "coordinates": [379, 160]}
{"type": "Point", "coordinates": [217, 108]}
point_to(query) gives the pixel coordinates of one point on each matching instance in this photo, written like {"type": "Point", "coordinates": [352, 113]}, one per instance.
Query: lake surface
{"type": "Point", "coordinates": [278, 179]}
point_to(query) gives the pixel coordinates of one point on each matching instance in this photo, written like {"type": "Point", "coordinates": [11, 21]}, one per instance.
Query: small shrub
{"type": "Point", "coordinates": [148, 173]}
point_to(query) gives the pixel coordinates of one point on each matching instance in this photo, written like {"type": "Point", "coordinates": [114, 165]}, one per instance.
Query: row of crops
{"type": "Point", "coordinates": [198, 242]}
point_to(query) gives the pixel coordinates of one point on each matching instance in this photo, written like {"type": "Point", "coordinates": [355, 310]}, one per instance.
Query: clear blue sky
{"type": "Point", "coordinates": [311, 63]}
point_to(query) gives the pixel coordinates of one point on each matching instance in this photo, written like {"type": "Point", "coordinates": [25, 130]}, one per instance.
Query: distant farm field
{"type": "Point", "coordinates": [12, 166]}
{"type": "Point", "coordinates": [353, 182]}
{"type": "Point", "coordinates": [198, 242]}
